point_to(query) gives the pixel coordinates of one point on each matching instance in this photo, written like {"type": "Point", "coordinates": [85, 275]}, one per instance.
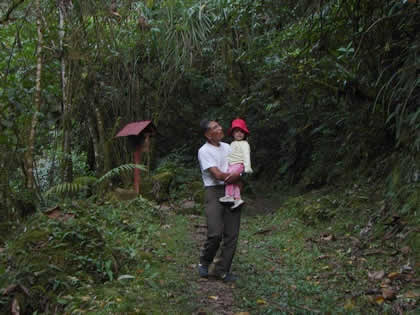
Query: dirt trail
{"type": "Point", "coordinates": [214, 296]}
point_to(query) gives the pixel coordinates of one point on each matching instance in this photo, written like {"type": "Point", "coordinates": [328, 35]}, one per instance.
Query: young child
{"type": "Point", "coordinates": [239, 161]}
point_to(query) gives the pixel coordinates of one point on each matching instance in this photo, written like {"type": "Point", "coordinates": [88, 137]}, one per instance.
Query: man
{"type": "Point", "coordinates": [222, 222]}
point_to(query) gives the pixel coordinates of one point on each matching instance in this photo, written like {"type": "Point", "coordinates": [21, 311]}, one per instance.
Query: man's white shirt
{"type": "Point", "coordinates": [213, 156]}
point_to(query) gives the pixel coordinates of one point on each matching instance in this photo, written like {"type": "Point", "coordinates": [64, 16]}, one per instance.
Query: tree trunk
{"type": "Point", "coordinates": [103, 143]}
{"type": "Point", "coordinates": [94, 138]}
{"type": "Point", "coordinates": [63, 7]}
{"type": "Point", "coordinates": [29, 154]}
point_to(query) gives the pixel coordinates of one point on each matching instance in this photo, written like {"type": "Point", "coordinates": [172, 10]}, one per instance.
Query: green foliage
{"type": "Point", "coordinates": [184, 178]}
{"type": "Point", "coordinates": [101, 248]}
{"type": "Point", "coordinates": [317, 262]}
{"type": "Point", "coordinates": [327, 88]}
{"type": "Point", "coordinates": [403, 186]}
{"type": "Point", "coordinates": [118, 170]}
{"type": "Point", "coordinates": [82, 183]}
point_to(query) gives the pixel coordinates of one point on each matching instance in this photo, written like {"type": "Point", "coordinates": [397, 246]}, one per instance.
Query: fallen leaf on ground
{"type": "Point", "coordinates": [327, 237]}
{"type": "Point", "coordinates": [393, 275]}
{"type": "Point", "coordinates": [261, 302]}
{"type": "Point", "coordinates": [242, 313]}
{"type": "Point", "coordinates": [411, 294]}
{"type": "Point", "coordinates": [379, 300]}
{"type": "Point", "coordinates": [56, 214]}
{"type": "Point", "coordinates": [376, 275]}
{"type": "Point", "coordinates": [213, 297]}
{"type": "Point", "coordinates": [385, 283]}
{"type": "Point", "coordinates": [388, 293]}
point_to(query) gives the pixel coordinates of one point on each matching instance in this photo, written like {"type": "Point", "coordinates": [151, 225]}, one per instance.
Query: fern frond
{"type": "Point", "coordinates": [66, 188]}
{"type": "Point", "coordinates": [120, 169]}
{"type": "Point", "coordinates": [84, 182]}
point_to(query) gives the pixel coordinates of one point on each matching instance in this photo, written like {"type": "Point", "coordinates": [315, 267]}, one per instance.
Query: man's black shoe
{"type": "Point", "coordinates": [203, 271]}
{"type": "Point", "coordinates": [229, 277]}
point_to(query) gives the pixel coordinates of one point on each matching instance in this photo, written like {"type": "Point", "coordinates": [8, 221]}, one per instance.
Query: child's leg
{"type": "Point", "coordinates": [236, 192]}
{"type": "Point", "coordinates": [229, 188]}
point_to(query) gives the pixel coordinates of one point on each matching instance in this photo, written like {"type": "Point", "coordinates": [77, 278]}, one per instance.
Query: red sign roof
{"type": "Point", "coordinates": [134, 128]}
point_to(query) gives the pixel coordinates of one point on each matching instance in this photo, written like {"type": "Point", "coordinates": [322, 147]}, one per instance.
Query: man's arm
{"type": "Point", "coordinates": [228, 178]}
{"type": "Point", "coordinates": [218, 174]}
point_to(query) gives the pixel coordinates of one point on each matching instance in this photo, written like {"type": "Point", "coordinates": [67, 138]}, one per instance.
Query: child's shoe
{"type": "Point", "coordinates": [227, 199]}
{"type": "Point", "coordinates": [237, 203]}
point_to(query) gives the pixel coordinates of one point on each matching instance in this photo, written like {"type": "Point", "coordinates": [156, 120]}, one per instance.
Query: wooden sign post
{"type": "Point", "coordinates": [138, 135]}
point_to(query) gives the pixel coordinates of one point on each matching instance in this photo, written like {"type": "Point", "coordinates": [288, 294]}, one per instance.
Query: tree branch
{"type": "Point", "coordinates": [6, 18]}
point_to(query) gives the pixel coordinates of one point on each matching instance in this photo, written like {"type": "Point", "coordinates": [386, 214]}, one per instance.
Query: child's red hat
{"type": "Point", "coordinates": [238, 123]}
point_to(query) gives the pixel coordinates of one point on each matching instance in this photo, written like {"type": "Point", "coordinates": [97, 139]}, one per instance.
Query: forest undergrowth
{"type": "Point", "coordinates": [334, 250]}
{"type": "Point", "coordinates": [330, 92]}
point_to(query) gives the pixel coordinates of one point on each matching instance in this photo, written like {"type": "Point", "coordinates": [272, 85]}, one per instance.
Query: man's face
{"type": "Point", "coordinates": [215, 132]}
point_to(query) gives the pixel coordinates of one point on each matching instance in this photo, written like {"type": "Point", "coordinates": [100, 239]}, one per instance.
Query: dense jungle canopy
{"type": "Point", "coordinates": [330, 90]}
{"type": "Point", "coordinates": [325, 86]}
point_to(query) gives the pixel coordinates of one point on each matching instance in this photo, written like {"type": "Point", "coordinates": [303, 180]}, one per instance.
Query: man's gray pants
{"type": "Point", "coordinates": [222, 230]}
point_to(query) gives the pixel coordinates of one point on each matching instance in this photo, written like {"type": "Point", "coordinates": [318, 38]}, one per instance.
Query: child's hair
{"type": "Point", "coordinates": [237, 128]}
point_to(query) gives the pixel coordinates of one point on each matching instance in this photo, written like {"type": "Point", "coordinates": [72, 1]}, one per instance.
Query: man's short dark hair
{"type": "Point", "coordinates": [204, 125]}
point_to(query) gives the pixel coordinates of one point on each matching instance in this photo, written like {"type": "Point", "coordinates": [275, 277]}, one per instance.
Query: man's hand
{"type": "Point", "coordinates": [228, 178]}
{"type": "Point", "coordinates": [232, 178]}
